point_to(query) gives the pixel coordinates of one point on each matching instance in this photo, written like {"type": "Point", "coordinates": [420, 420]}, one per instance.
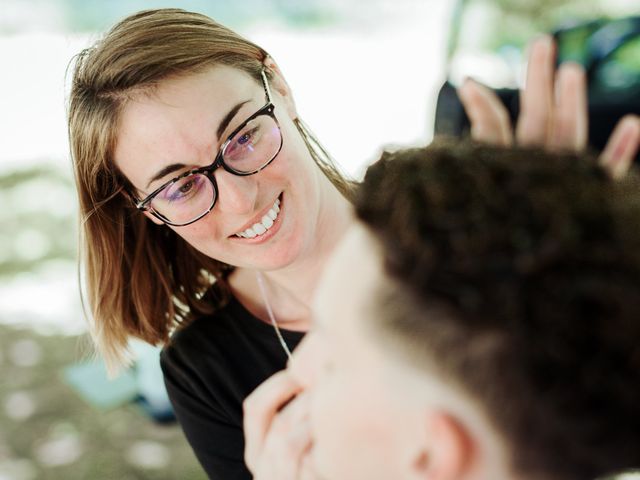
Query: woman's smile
{"type": "Point", "coordinates": [264, 225]}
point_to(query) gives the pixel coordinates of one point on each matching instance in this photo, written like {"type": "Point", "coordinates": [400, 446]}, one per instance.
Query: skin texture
{"type": "Point", "coordinates": [352, 407]}
{"type": "Point", "coordinates": [361, 398]}
{"type": "Point", "coordinates": [177, 123]}
{"type": "Point", "coordinates": [340, 372]}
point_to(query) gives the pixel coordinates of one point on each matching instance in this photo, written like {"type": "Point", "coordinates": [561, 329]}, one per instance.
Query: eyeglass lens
{"type": "Point", "coordinates": [248, 151]}
{"type": "Point", "coordinates": [253, 146]}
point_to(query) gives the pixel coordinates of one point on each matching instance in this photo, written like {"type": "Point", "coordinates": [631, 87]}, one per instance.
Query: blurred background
{"type": "Point", "coordinates": [365, 75]}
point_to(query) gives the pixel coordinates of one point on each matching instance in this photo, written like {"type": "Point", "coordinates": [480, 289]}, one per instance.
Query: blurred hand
{"type": "Point", "coordinates": [277, 433]}
{"type": "Point", "coordinates": [553, 112]}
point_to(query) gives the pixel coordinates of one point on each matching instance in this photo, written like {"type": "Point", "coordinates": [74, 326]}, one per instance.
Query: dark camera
{"type": "Point", "coordinates": [609, 50]}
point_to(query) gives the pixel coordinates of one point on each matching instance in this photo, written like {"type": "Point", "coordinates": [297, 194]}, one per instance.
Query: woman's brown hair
{"type": "Point", "coordinates": [143, 280]}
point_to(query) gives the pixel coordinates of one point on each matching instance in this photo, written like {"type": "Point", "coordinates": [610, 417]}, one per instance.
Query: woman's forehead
{"type": "Point", "coordinates": [219, 82]}
{"type": "Point", "coordinates": [178, 121]}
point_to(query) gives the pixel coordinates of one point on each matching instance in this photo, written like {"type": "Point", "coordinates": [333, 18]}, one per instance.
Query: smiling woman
{"type": "Point", "coordinates": [209, 210]}
{"type": "Point", "coordinates": [252, 146]}
{"type": "Point", "coordinates": [195, 172]}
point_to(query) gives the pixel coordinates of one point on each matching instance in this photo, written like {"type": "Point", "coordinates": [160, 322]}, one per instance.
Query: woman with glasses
{"type": "Point", "coordinates": [208, 210]}
{"type": "Point", "coordinates": [194, 174]}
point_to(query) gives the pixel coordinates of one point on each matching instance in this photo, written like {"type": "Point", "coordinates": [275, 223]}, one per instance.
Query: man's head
{"type": "Point", "coordinates": [481, 321]}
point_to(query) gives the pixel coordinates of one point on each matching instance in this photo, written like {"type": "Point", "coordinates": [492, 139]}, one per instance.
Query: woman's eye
{"type": "Point", "coordinates": [244, 144]}
{"type": "Point", "coordinates": [245, 138]}
{"type": "Point", "coordinates": [249, 136]}
{"type": "Point", "coordinates": [186, 187]}
{"type": "Point", "coordinates": [183, 189]}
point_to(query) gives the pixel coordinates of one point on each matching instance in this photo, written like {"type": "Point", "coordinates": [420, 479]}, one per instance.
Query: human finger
{"type": "Point", "coordinates": [622, 146]}
{"type": "Point", "coordinates": [287, 450]}
{"type": "Point", "coordinates": [260, 409]}
{"type": "Point", "coordinates": [536, 99]}
{"type": "Point", "coordinates": [285, 445]}
{"type": "Point", "coordinates": [488, 117]}
{"type": "Point", "coordinates": [570, 115]}
{"type": "Point", "coordinates": [296, 410]}
{"type": "Point", "coordinates": [307, 468]}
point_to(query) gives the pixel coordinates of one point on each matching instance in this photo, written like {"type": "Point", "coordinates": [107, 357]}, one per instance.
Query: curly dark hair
{"type": "Point", "coordinates": [517, 272]}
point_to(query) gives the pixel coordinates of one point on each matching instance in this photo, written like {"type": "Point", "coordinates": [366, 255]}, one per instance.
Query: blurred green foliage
{"type": "Point", "coordinates": [38, 218]}
{"type": "Point", "coordinates": [516, 22]}
{"type": "Point", "coordinates": [97, 15]}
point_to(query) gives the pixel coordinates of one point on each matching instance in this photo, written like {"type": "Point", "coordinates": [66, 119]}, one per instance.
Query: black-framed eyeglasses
{"type": "Point", "coordinates": [250, 148]}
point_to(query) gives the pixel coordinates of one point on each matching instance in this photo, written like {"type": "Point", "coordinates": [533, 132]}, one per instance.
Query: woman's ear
{"type": "Point", "coordinates": [279, 84]}
{"type": "Point", "coordinates": [127, 192]}
{"type": "Point", "coordinates": [447, 449]}
{"type": "Point", "coordinates": [155, 220]}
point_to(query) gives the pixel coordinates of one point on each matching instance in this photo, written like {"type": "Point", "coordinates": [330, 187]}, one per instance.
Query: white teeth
{"type": "Point", "coordinates": [265, 223]}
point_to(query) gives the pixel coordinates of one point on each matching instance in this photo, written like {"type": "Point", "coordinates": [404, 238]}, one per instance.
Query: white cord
{"type": "Point", "coordinates": [263, 290]}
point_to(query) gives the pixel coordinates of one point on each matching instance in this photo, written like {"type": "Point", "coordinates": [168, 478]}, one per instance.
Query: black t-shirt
{"type": "Point", "coordinates": [209, 367]}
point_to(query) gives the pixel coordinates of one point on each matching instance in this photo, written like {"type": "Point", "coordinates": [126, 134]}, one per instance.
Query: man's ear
{"type": "Point", "coordinates": [447, 449]}
{"type": "Point", "coordinates": [279, 84]}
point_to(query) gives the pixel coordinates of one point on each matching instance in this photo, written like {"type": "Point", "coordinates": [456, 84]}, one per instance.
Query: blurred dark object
{"type": "Point", "coordinates": [609, 50]}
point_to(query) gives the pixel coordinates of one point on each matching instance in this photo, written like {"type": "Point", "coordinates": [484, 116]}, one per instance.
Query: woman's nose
{"type": "Point", "coordinates": [235, 194]}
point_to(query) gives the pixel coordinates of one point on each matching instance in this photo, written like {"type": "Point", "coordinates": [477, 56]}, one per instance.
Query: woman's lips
{"type": "Point", "coordinates": [265, 225]}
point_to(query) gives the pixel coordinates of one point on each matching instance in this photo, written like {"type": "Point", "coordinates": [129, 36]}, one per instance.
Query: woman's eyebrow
{"type": "Point", "coordinates": [228, 117]}
{"type": "Point", "coordinates": [166, 171]}
{"type": "Point", "coordinates": [224, 123]}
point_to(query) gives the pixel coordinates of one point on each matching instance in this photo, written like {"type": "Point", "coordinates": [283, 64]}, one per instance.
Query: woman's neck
{"type": "Point", "coordinates": [290, 290]}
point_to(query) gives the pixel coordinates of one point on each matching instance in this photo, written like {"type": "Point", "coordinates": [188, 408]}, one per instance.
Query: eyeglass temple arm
{"type": "Point", "coordinates": [265, 84]}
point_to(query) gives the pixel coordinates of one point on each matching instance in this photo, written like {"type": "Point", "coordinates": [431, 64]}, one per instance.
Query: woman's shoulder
{"type": "Point", "coordinates": [229, 339]}
{"type": "Point", "coordinates": [215, 337]}
{"type": "Point", "coordinates": [220, 358]}
{"type": "Point", "coordinates": [193, 358]}
{"type": "Point", "coordinates": [203, 332]}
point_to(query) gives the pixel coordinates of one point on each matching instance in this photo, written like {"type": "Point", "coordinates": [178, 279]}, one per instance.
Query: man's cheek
{"type": "Point", "coordinates": [329, 409]}
{"type": "Point", "coordinates": [330, 433]}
